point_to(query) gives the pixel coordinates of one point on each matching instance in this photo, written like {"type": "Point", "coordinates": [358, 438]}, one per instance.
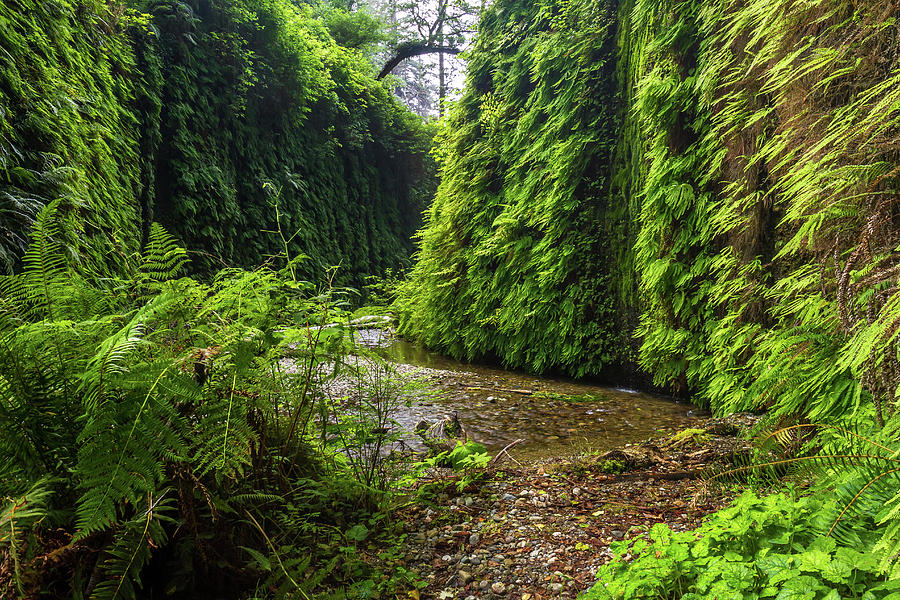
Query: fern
{"type": "Point", "coordinates": [124, 559]}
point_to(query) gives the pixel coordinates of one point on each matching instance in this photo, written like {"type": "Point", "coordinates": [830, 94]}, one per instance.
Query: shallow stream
{"type": "Point", "coordinates": [552, 416]}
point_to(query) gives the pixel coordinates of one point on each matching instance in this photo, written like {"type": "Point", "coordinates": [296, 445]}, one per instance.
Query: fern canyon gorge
{"type": "Point", "coordinates": [450, 299]}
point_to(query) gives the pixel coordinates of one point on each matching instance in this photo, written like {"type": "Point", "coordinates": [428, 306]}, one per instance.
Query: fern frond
{"type": "Point", "coordinates": [131, 549]}
{"type": "Point", "coordinates": [163, 258]}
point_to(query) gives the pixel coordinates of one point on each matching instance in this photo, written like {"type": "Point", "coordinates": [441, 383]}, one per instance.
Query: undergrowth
{"type": "Point", "coordinates": [163, 436]}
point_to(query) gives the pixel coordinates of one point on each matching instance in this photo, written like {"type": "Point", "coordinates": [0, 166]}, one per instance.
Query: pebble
{"type": "Point", "coordinates": [520, 537]}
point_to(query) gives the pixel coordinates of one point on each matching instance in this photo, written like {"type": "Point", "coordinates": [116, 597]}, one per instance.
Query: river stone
{"type": "Point", "coordinates": [474, 539]}
{"type": "Point", "coordinates": [556, 587]}
{"type": "Point", "coordinates": [498, 587]}
{"type": "Point", "coordinates": [483, 584]}
{"type": "Point", "coordinates": [507, 497]}
{"type": "Point", "coordinates": [464, 577]}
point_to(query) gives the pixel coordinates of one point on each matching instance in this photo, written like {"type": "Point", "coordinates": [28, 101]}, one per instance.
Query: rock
{"type": "Point", "coordinates": [447, 558]}
{"type": "Point", "coordinates": [576, 491]}
{"type": "Point", "coordinates": [498, 587]}
{"type": "Point", "coordinates": [474, 539]}
{"type": "Point", "coordinates": [556, 587]}
{"type": "Point", "coordinates": [483, 584]}
{"type": "Point", "coordinates": [507, 497]}
{"type": "Point", "coordinates": [464, 577]}
{"type": "Point", "coordinates": [617, 533]}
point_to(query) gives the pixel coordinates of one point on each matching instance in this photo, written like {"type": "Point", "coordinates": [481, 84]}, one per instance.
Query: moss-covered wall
{"type": "Point", "coordinates": [737, 163]}
{"type": "Point", "coordinates": [197, 114]}
{"type": "Point", "coordinates": [69, 121]}
{"type": "Point", "coordinates": [769, 190]}
{"type": "Point", "coordinates": [520, 258]}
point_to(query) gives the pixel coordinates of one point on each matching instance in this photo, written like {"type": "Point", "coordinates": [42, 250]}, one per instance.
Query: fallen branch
{"type": "Point", "coordinates": [496, 458]}
{"type": "Point", "coordinates": [498, 389]}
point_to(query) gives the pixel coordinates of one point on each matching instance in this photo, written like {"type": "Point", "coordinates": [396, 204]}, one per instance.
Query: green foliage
{"type": "Point", "coordinates": [468, 455]}
{"type": "Point", "coordinates": [149, 419]}
{"type": "Point", "coordinates": [765, 173]}
{"type": "Point", "coordinates": [70, 126]}
{"type": "Point", "coordinates": [291, 108]}
{"type": "Point", "coordinates": [771, 547]}
{"type": "Point", "coordinates": [516, 258]}
{"type": "Point", "coordinates": [185, 113]}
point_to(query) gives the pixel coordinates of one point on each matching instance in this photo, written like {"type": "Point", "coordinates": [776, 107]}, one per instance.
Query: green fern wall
{"type": "Point", "coordinates": [69, 122]}
{"type": "Point", "coordinates": [521, 257]}
{"type": "Point", "coordinates": [196, 115]}
{"type": "Point", "coordinates": [728, 171]}
{"type": "Point", "coordinates": [768, 185]}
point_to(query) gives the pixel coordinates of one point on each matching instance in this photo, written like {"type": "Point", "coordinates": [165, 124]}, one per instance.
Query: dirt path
{"type": "Point", "coordinates": [537, 531]}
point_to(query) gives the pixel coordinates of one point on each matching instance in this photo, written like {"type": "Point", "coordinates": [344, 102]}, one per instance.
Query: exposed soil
{"type": "Point", "coordinates": [541, 530]}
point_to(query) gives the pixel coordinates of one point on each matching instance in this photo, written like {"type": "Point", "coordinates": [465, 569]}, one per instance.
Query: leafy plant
{"type": "Point", "coordinates": [771, 547]}
{"type": "Point", "coordinates": [153, 419]}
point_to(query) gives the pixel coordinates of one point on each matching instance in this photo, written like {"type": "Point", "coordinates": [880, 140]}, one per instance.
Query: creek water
{"type": "Point", "coordinates": [552, 416]}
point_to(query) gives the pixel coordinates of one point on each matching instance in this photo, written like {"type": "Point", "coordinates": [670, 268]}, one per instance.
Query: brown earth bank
{"type": "Point", "coordinates": [529, 531]}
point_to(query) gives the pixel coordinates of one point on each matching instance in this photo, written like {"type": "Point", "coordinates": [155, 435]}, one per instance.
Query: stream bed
{"type": "Point", "coordinates": [552, 416]}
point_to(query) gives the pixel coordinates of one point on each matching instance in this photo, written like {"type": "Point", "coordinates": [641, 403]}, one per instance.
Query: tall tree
{"type": "Point", "coordinates": [419, 29]}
